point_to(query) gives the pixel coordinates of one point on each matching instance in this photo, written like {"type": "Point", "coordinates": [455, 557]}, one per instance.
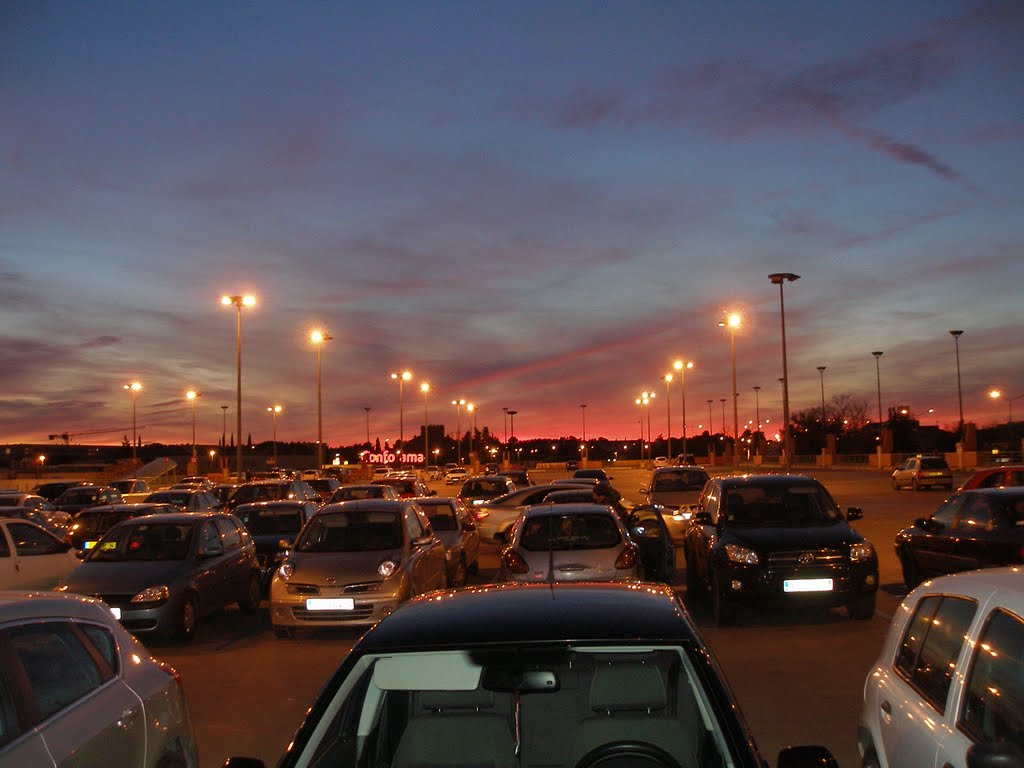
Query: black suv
{"type": "Point", "coordinates": [782, 537]}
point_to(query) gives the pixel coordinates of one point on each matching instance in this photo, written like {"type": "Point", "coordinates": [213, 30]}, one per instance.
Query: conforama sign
{"type": "Point", "coordinates": [387, 457]}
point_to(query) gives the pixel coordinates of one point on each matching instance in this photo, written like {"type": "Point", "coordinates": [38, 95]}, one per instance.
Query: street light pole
{"type": "Point", "coordinates": [586, 448]}
{"type": "Point", "coordinates": [471, 407]}
{"type": "Point", "coordinates": [133, 389]}
{"type": "Point", "coordinates": [191, 395]}
{"type": "Point", "coordinates": [959, 393]}
{"type": "Point", "coordinates": [680, 366]}
{"type": "Point", "coordinates": [779, 278]}
{"type": "Point", "coordinates": [274, 410]}
{"type": "Point", "coordinates": [512, 428]}
{"type": "Point", "coordinates": [757, 420]}
{"type": "Point", "coordinates": [367, 409]}
{"type": "Point", "coordinates": [238, 302]}
{"type": "Point", "coordinates": [732, 322]}
{"type": "Point", "coordinates": [711, 420]}
{"type": "Point", "coordinates": [668, 413]}
{"type": "Point", "coordinates": [458, 429]}
{"type": "Point", "coordinates": [318, 338]}
{"type": "Point", "coordinates": [878, 379]}
{"type": "Point", "coordinates": [505, 435]}
{"type": "Point", "coordinates": [425, 388]}
{"type": "Point", "coordinates": [402, 377]}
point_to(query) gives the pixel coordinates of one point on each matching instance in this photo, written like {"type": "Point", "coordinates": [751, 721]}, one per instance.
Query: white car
{"type": "Point", "coordinates": [950, 678]}
{"type": "Point", "coordinates": [80, 690]}
{"type": "Point", "coordinates": [456, 476]}
{"type": "Point", "coordinates": [31, 557]}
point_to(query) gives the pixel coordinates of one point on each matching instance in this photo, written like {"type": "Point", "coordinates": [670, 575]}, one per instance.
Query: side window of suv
{"type": "Point", "coordinates": [996, 682]}
{"type": "Point", "coordinates": [931, 646]}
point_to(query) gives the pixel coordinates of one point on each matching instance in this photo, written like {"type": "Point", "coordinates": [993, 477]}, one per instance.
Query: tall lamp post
{"type": "Point", "coordinates": [757, 420]}
{"type": "Point", "coordinates": [711, 420]}
{"type": "Point", "coordinates": [318, 338]}
{"type": "Point", "coordinates": [821, 377]}
{"type": "Point", "coordinates": [586, 448]}
{"type": "Point", "coordinates": [458, 429]}
{"type": "Point", "coordinates": [224, 426]}
{"type": "Point", "coordinates": [779, 279]}
{"type": "Point", "coordinates": [401, 378]}
{"type": "Point", "coordinates": [274, 410]}
{"type": "Point", "coordinates": [506, 435]}
{"type": "Point", "coordinates": [680, 366]}
{"type": "Point", "coordinates": [133, 389]}
{"type": "Point", "coordinates": [238, 302]}
{"type": "Point", "coordinates": [668, 414]}
{"type": "Point", "coordinates": [512, 428]}
{"type": "Point", "coordinates": [425, 389]}
{"type": "Point", "coordinates": [471, 407]}
{"type": "Point", "coordinates": [191, 396]}
{"type": "Point", "coordinates": [367, 409]}
{"type": "Point", "coordinates": [732, 322]}
{"type": "Point", "coordinates": [878, 380]}
{"type": "Point", "coordinates": [959, 393]}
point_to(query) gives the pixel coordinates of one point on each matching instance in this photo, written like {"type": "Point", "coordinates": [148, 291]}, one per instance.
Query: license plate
{"type": "Point", "coordinates": [330, 604]}
{"type": "Point", "coordinates": [88, 544]}
{"type": "Point", "coordinates": [116, 612]}
{"type": "Point", "coordinates": [807, 585]}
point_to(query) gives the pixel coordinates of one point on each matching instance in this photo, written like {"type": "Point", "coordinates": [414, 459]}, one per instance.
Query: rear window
{"type": "Point", "coordinates": [352, 532]}
{"type": "Point", "coordinates": [679, 480]}
{"type": "Point", "coordinates": [934, 463]}
{"type": "Point", "coordinates": [272, 520]}
{"type": "Point", "coordinates": [568, 532]}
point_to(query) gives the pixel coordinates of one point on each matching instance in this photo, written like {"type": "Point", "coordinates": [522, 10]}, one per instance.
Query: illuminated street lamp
{"type": "Point", "coordinates": [680, 366]}
{"type": "Point", "coordinates": [318, 338]}
{"type": "Point", "coordinates": [133, 388]}
{"type": "Point", "coordinates": [425, 388]}
{"type": "Point", "coordinates": [779, 279]}
{"type": "Point", "coordinates": [42, 462]}
{"type": "Point", "coordinates": [191, 396]}
{"type": "Point", "coordinates": [959, 393]}
{"type": "Point", "coordinates": [668, 414]}
{"type": "Point", "coordinates": [583, 410]}
{"type": "Point", "coordinates": [238, 302]}
{"type": "Point", "coordinates": [401, 378]}
{"type": "Point", "coordinates": [458, 429]}
{"type": "Point", "coordinates": [472, 435]}
{"type": "Point", "coordinates": [995, 394]}
{"type": "Point", "coordinates": [732, 322]}
{"type": "Point", "coordinates": [274, 410]}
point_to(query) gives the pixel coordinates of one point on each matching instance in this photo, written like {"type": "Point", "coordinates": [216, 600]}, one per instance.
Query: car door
{"type": "Point", "coordinates": [648, 531]}
{"type": "Point", "coordinates": [469, 534]}
{"type": "Point", "coordinates": [211, 571]}
{"type": "Point", "coordinates": [975, 535]}
{"type": "Point", "coordinates": [426, 571]}
{"type": "Point", "coordinates": [236, 569]}
{"type": "Point", "coordinates": [38, 559]}
{"type": "Point", "coordinates": [701, 535]}
{"type": "Point", "coordinates": [932, 545]}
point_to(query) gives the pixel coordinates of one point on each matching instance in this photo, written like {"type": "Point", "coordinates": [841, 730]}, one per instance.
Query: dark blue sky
{"type": "Point", "coordinates": [530, 205]}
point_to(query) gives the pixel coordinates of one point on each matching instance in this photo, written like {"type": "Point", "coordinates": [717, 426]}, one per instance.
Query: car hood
{"type": "Point", "coordinates": [674, 499]}
{"type": "Point", "coordinates": [787, 539]}
{"type": "Point", "coordinates": [343, 567]}
{"type": "Point", "coordinates": [97, 578]}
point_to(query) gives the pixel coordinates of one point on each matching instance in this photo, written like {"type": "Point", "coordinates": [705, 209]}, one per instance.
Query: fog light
{"type": "Point", "coordinates": [870, 579]}
{"type": "Point", "coordinates": [735, 585]}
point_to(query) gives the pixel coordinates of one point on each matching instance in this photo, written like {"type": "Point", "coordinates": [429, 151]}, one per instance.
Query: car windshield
{"type": "Point", "coordinates": [573, 531]}
{"type": "Point", "coordinates": [97, 522]}
{"type": "Point", "coordinates": [935, 463]}
{"type": "Point", "coordinates": [170, 497]}
{"type": "Point", "coordinates": [486, 488]}
{"type": "Point", "coordinates": [144, 541]}
{"type": "Point", "coordinates": [514, 705]}
{"type": "Point", "coordinates": [272, 519]}
{"type": "Point", "coordinates": [779, 507]}
{"type": "Point", "coordinates": [358, 492]}
{"type": "Point", "coordinates": [352, 531]}
{"type": "Point", "coordinates": [247, 493]}
{"type": "Point", "coordinates": [679, 480]}
{"type": "Point", "coordinates": [78, 497]}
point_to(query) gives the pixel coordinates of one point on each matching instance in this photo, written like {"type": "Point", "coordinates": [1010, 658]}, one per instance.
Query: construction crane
{"type": "Point", "coordinates": [67, 437]}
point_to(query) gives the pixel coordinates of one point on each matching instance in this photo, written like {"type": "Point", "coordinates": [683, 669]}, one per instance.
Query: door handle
{"type": "Point", "coordinates": [127, 718]}
{"type": "Point", "coordinates": [886, 708]}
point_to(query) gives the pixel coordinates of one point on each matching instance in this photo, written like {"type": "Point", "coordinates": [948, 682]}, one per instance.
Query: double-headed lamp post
{"type": "Point", "coordinates": [681, 366]}
{"type": "Point", "coordinates": [274, 410]}
{"type": "Point", "coordinates": [238, 302]}
{"type": "Point", "coordinates": [401, 378]}
{"type": "Point", "coordinates": [192, 396]}
{"type": "Point", "coordinates": [779, 279]}
{"type": "Point", "coordinates": [425, 389]}
{"type": "Point", "coordinates": [318, 338]}
{"type": "Point", "coordinates": [732, 321]}
{"type": "Point", "coordinates": [995, 394]}
{"type": "Point", "coordinates": [134, 389]}
{"type": "Point", "coordinates": [458, 429]}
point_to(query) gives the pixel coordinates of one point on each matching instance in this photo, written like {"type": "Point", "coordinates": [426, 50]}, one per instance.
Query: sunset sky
{"type": "Point", "coordinates": [531, 205]}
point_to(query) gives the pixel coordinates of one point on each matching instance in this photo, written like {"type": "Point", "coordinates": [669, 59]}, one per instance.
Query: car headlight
{"type": "Point", "coordinates": [285, 571]}
{"type": "Point", "coordinates": [861, 551]}
{"type": "Point", "coordinates": [152, 595]}
{"type": "Point", "coordinates": [739, 554]}
{"type": "Point", "coordinates": [387, 567]}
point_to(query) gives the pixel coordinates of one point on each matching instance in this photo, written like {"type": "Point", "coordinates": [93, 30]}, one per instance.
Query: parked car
{"type": "Point", "coordinates": [52, 490]}
{"type": "Point", "coordinates": [223, 491]}
{"type": "Point", "coordinates": [455, 476]}
{"type": "Point", "coordinates": [31, 557]}
{"type": "Point", "coordinates": [160, 574]}
{"type": "Point", "coordinates": [591, 474]}
{"type": "Point", "coordinates": [1002, 476]}
{"type": "Point", "coordinates": [920, 472]}
{"type": "Point", "coordinates": [948, 686]}
{"type": "Point", "coordinates": [476, 490]}
{"type": "Point", "coordinates": [676, 489]}
{"type": "Point", "coordinates": [271, 524]}
{"type": "Point", "coordinates": [529, 675]}
{"type": "Point", "coordinates": [88, 526]}
{"type": "Point", "coordinates": [572, 465]}
{"type": "Point", "coordinates": [131, 485]}
{"type": "Point", "coordinates": [520, 477]}
{"type": "Point", "coordinates": [199, 480]}
{"type": "Point", "coordinates": [983, 528]}
{"type": "Point", "coordinates": [78, 689]}
{"type": "Point", "coordinates": [407, 487]}
{"type": "Point", "coordinates": [188, 499]}
{"type": "Point", "coordinates": [354, 563]}
{"type": "Point", "coordinates": [323, 486]}
{"type": "Point", "coordinates": [358, 491]}
{"type": "Point", "coordinates": [269, 490]}
{"type": "Point", "coordinates": [661, 461]}
{"type": "Point", "coordinates": [80, 497]}
{"type": "Point", "coordinates": [569, 542]}
{"type": "Point", "coordinates": [34, 516]}
{"type": "Point", "coordinates": [453, 523]}
{"type": "Point", "coordinates": [496, 516]}
{"type": "Point", "coordinates": [781, 538]}
{"type": "Point", "coordinates": [55, 518]}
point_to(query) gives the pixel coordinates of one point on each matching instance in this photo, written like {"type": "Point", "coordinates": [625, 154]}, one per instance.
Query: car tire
{"type": "Point", "coordinates": [895, 485]}
{"type": "Point", "coordinates": [253, 596]}
{"type": "Point", "coordinates": [862, 607]}
{"type": "Point", "coordinates": [723, 612]}
{"type": "Point", "coordinates": [187, 619]}
{"type": "Point", "coordinates": [474, 567]}
{"type": "Point", "coordinates": [285, 633]}
{"type": "Point", "coordinates": [914, 485]}
{"type": "Point", "coordinates": [911, 573]}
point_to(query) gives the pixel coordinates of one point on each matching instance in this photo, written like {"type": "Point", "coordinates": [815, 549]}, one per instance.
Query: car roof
{"type": "Point", "coordinates": [175, 517]}
{"type": "Point", "coordinates": [679, 468]}
{"type": "Point", "coordinates": [366, 505]}
{"type": "Point", "coordinates": [1007, 582]}
{"type": "Point", "coordinates": [124, 506]}
{"type": "Point", "coordinates": [1009, 492]}
{"type": "Point", "coordinates": [573, 508]}
{"type": "Point", "coordinates": [515, 613]}
{"type": "Point", "coordinates": [16, 605]}
{"type": "Point", "coordinates": [771, 481]}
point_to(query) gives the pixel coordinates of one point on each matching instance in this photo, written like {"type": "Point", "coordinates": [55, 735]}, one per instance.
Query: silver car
{"type": "Point", "coordinates": [570, 542]}
{"type": "Point", "coordinates": [676, 488]}
{"type": "Point", "coordinates": [80, 690]}
{"type": "Point", "coordinates": [354, 563]}
{"type": "Point", "coordinates": [453, 523]}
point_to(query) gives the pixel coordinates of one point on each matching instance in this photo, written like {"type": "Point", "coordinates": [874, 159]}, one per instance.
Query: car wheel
{"type": "Point", "coordinates": [861, 607]}
{"type": "Point", "coordinates": [285, 633]}
{"type": "Point", "coordinates": [870, 759]}
{"type": "Point", "coordinates": [459, 574]}
{"type": "Point", "coordinates": [914, 486]}
{"type": "Point", "coordinates": [895, 485]}
{"type": "Point", "coordinates": [252, 598]}
{"type": "Point", "coordinates": [911, 574]}
{"type": "Point", "coordinates": [188, 618]}
{"type": "Point", "coordinates": [723, 612]}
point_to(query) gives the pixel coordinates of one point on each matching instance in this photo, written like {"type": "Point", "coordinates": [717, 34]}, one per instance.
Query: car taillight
{"type": "Point", "coordinates": [513, 562]}
{"type": "Point", "coordinates": [626, 559]}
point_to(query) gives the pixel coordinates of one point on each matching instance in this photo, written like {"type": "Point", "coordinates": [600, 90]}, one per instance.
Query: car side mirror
{"type": "Point", "coordinates": [701, 518]}
{"type": "Point", "coordinates": [854, 513]}
{"type": "Point", "coordinates": [80, 554]}
{"type": "Point", "coordinates": [924, 523]}
{"type": "Point", "coordinates": [644, 489]}
{"type": "Point", "coordinates": [806, 756]}
{"type": "Point", "coordinates": [419, 541]}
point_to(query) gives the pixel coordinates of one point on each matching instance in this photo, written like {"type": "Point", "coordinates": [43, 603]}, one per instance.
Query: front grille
{"type": "Point", "coordinates": [359, 613]}
{"type": "Point", "coordinates": [372, 586]}
{"type": "Point", "coordinates": [823, 564]}
{"type": "Point", "coordinates": [819, 558]}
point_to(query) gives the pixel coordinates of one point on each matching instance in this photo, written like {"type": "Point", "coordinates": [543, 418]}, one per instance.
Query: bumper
{"type": "Point", "coordinates": [141, 619]}
{"type": "Point", "coordinates": [832, 587]}
{"type": "Point", "coordinates": [313, 610]}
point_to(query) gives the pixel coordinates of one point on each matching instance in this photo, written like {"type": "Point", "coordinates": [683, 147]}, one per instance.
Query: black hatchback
{"type": "Point", "coordinates": [777, 537]}
{"type": "Point", "coordinates": [981, 528]}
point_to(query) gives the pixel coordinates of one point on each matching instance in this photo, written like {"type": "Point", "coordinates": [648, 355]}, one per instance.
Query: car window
{"type": "Point", "coordinates": [413, 526]}
{"type": "Point", "coordinates": [934, 463]}
{"type": "Point", "coordinates": [993, 480]}
{"type": "Point", "coordinates": [778, 507]}
{"type": "Point", "coordinates": [1016, 477]}
{"type": "Point", "coordinates": [570, 532]}
{"type": "Point", "coordinates": [946, 514]}
{"type": "Point", "coordinates": [645, 522]}
{"type": "Point", "coordinates": [229, 534]}
{"type": "Point", "coordinates": [5, 550]}
{"type": "Point", "coordinates": [208, 537]}
{"type": "Point", "coordinates": [144, 541]}
{"type": "Point", "coordinates": [976, 514]}
{"type": "Point", "coordinates": [679, 480]}
{"type": "Point", "coordinates": [104, 643]}
{"type": "Point", "coordinates": [351, 531]}
{"type": "Point", "coordinates": [442, 517]}
{"type": "Point", "coordinates": [59, 669]}
{"type": "Point", "coordinates": [31, 540]}
{"type": "Point", "coordinates": [995, 685]}
{"type": "Point", "coordinates": [931, 645]}
{"type": "Point", "coordinates": [272, 520]}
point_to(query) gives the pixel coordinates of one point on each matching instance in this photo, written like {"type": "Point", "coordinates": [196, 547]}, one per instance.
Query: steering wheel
{"type": "Point", "coordinates": [628, 754]}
